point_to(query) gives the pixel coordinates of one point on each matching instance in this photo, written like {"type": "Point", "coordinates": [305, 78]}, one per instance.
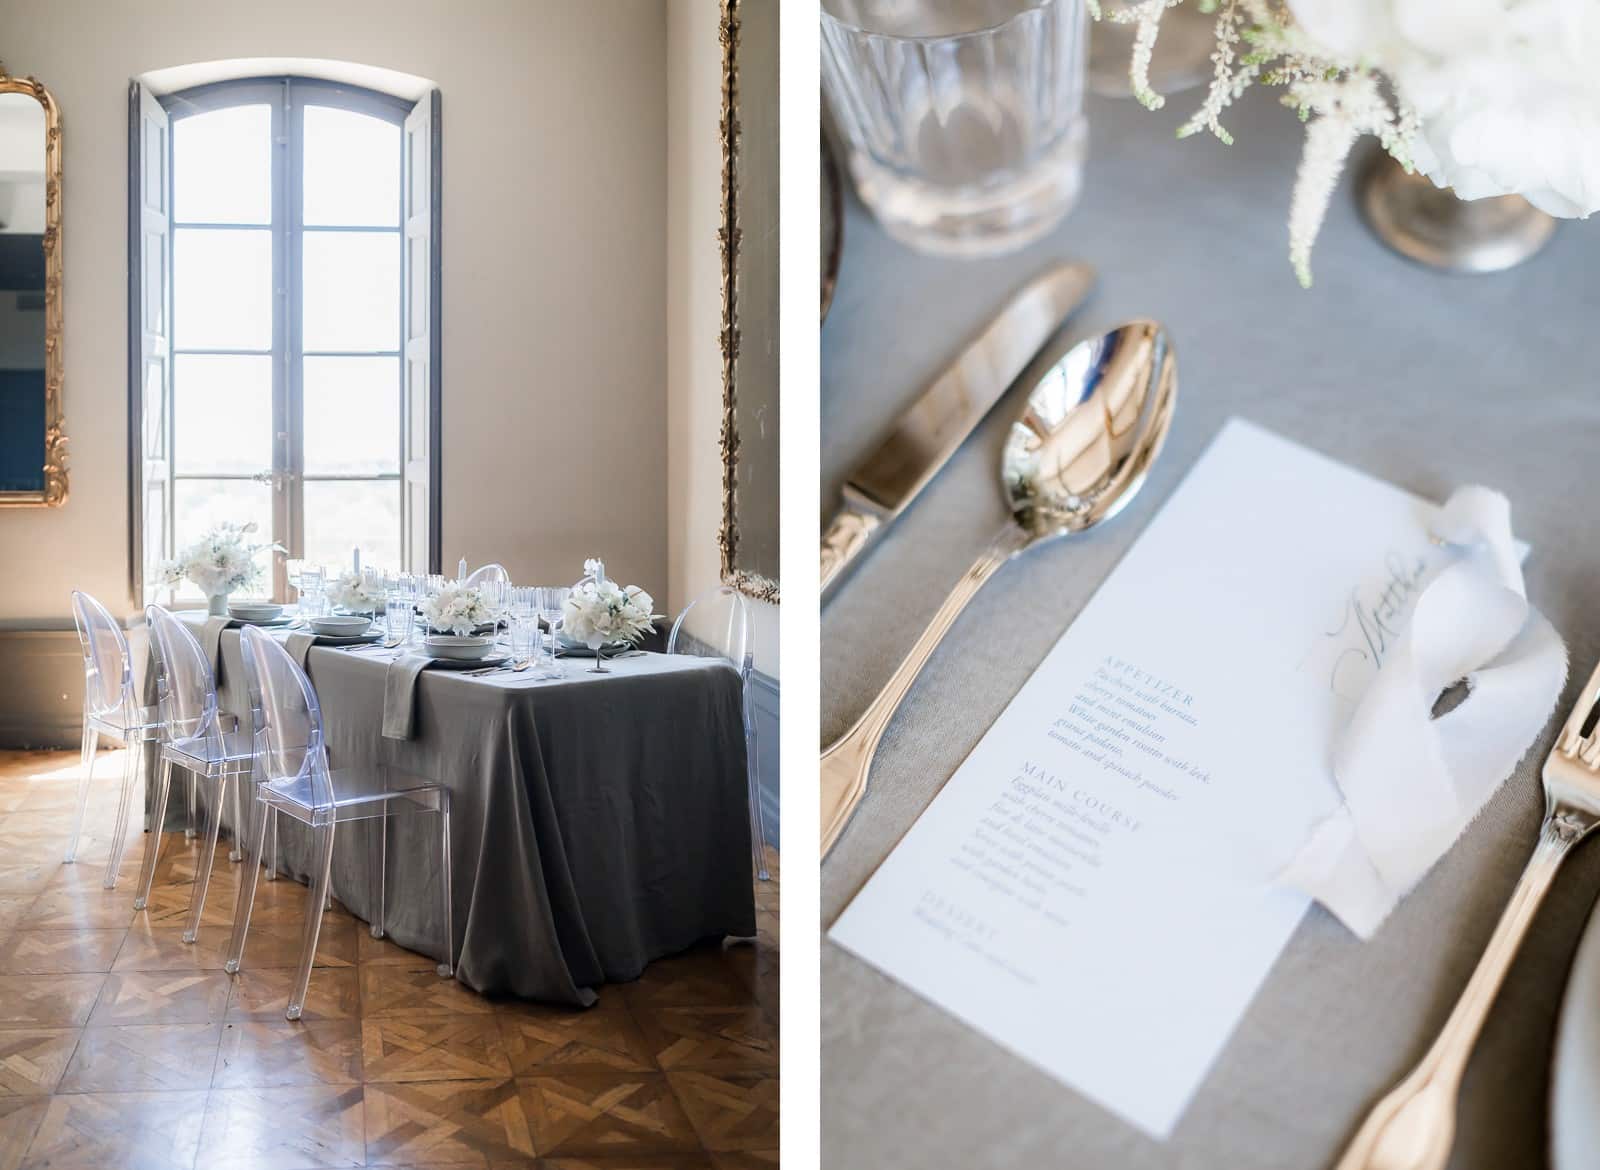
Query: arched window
{"type": "Point", "coordinates": [287, 366]}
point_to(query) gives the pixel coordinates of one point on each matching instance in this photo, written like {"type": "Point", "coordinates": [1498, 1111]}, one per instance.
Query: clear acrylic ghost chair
{"type": "Point", "coordinates": [196, 737]}
{"type": "Point", "coordinates": [293, 778]}
{"type": "Point", "coordinates": [111, 710]}
{"type": "Point", "coordinates": [724, 619]}
{"type": "Point", "coordinates": [490, 572]}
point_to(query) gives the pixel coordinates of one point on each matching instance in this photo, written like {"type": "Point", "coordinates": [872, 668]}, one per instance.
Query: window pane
{"type": "Point", "coordinates": [352, 415]}
{"type": "Point", "coordinates": [342, 515]}
{"type": "Point", "coordinates": [222, 166]}
{"type": "Point", "coordinates": [352, 293]}
{"type": "Point", "coordinates": [222, 289]}
{"type": "Point", "coordinates": [201, 503]}
{"type": "Point", "coordinates": [352, 169]}
{"type": "Point", "coordinates": [223, 414]}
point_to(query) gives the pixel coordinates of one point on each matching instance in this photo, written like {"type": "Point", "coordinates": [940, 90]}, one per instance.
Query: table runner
{"type": "Point", "coordinates": [1423, 380]}
{"type": "Point", "coordinates": [599, 821]}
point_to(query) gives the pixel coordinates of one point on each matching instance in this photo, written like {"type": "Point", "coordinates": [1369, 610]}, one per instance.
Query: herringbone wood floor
{"type": "Point", "coordinates": [123, 1047]}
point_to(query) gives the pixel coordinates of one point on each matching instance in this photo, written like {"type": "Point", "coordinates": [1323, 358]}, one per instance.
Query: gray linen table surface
{"type": "Point", "coordinates": [1425, 380]}
{"type": "Point", "coordinates": [598, 821]}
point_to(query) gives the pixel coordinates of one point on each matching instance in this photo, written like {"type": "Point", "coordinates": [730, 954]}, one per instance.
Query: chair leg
{"type": "Point", "coordinates": [152, 843]}
{"type": "Point", "coordinates": [322, 866]}
{"type": "Point", "coordinates": [272, 854]}
{"type": "Point", "coordinates": [134, 752]}
{"type": "Point", "coordinates": [758, 835]}
{"type": "Point", "coordinates": [247, 888]}
{"type": "Point", "coordinates": [447, 968]}
{"type": "Point", "coordinates": [189, 831]}
{"type": "Point", "coordinates": [236, 853]}
{"type": "Point", "coordinates": [380, 873]}
{"type": "Point", "coordinates": [91, 741]}
{"type": "Point", "coordinates": [211, 824]}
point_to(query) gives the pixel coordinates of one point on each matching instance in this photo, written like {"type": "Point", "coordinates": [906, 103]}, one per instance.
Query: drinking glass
{"type": "Point", "coordinates": [551, 599]}
{"type": "Point", "coordinates": [313, 591]}
{"type": "Point", "coordinates": [963, 120]}
{"type": "Point", "coordinates": [526, 641]}
{"type": "Point", "coordinates": [397, 617]}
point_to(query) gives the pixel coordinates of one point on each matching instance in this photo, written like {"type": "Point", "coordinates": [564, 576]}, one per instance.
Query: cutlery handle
{"type": "Point", "coordinates": [848, 533]}
{"type": "Point", "coordinates": [846, 763]}
{"type": "Point", "coordinates": [1412, 1128]}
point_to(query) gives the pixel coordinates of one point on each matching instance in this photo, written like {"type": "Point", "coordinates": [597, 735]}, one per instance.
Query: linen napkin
{"type": "Point", "coordinates": [1409, 782]}
{"type": "Point", "coordinates": [211, 639]}
{"type": "Point", "coordinates": [299, 644]}
{"type": "Point", "coordinates": [399, 694]}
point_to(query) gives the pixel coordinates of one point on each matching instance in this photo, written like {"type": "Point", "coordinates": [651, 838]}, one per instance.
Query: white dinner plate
{"type": "Point", "coordinates": [469, 663]}
{"type": "Point", "coordinates": [1575, 1080]}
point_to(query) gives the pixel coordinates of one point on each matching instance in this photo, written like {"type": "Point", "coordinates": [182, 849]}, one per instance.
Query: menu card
{"type": "Point", "coordinates": [1094, 888]}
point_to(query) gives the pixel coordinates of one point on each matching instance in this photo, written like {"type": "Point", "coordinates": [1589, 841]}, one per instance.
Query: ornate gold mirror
{"type": "Point", "coordinates": [33, 449]}
{"type": "Point", "coordinates": [750, 297]}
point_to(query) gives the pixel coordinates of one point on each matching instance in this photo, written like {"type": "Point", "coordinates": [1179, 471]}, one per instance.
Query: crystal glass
{"type": "Point", "coordinates": [397, 615]}
{"type": "Point", "coordinates": [963, 120]}
{"type": "Point", "coordinates": [551, 599]}
{"type": "Point", "coordinates": [527, 643]}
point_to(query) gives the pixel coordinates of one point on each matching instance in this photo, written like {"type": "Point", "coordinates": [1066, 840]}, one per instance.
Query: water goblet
{"type": "Point", "coordinates": [397, 618]}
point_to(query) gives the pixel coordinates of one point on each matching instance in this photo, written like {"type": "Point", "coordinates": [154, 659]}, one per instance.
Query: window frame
{"type": "Point", "coordinates": [288, 97]}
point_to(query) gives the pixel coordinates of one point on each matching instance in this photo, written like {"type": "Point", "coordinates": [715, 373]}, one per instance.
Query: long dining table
{"type": "Point", "coordinates": [599, 821]}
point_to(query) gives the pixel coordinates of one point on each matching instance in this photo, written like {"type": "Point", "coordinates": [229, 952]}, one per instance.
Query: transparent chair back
{"type": "Point", "coordinates": [289, 752]}
{"type": "Point", "coordinates": [110, 708]}
{"type": "Point", "coordinates": [186, 688]}
{"type": "Point", "coordinates": [490, 572]}
{"type": "Point", "coordinates": [107, 665]}
{"type": "Point", "coordinates": [722, 628]}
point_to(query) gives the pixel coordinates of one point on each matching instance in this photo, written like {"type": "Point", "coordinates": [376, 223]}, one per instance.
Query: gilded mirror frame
{"type": "Point", "coordinates": [750, 584]}
{"type": "Point", "coordinates": [54, 493]}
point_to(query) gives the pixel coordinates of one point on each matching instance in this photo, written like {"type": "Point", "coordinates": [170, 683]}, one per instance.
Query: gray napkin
{"type": "Point", "coordinates": [299, 644]}
{"type": "Point", "coordinates": [211, 639]}
{"type": "Point", "coordinates": [399, 693]}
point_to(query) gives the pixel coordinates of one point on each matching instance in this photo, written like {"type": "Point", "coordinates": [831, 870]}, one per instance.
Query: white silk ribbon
{"type": "Point", "coordinates": [1410, 783]}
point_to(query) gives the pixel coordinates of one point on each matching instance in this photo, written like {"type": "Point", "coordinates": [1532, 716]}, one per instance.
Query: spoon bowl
{"type": "Point", "coordinates": [1078, 452]}
{"type": "Point", "coordinates": [1076, 455]}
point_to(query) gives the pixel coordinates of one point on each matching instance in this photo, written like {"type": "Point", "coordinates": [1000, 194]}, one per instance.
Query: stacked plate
{"type": "Point", "coordinates": [340, 625]}
{"type": "Point", "coordinates": [255, 613]}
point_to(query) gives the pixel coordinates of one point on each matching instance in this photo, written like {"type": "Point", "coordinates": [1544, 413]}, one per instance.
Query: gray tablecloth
{"type": "Point", "coordinates": [1425, 380]}
{"type": "Point", "coordinates": [599, 821]}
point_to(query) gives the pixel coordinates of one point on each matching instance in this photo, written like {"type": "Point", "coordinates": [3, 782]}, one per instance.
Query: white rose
{"type": "Point", "coordinates": [1506, 90]}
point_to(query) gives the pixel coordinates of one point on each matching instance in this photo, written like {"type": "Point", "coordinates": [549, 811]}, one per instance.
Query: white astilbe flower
{"type": "Point", "coordinates": [1339, 97]}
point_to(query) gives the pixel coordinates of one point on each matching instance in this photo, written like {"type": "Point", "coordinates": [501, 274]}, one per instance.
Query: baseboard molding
{"type": "Point", "coordinates": [41, 688]}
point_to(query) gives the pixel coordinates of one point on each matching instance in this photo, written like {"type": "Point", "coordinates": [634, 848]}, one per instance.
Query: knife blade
{"type": "Point", "coordinates": [925, 437]}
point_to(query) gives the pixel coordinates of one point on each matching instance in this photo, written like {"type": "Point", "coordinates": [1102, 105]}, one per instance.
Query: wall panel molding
{"type": "Point", "coordinates": [41, 687]}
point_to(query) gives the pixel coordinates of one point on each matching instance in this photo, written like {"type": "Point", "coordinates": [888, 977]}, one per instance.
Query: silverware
{"type": "Point", "coordinates": [929, 433]}
{"type": "Point", "coordinates": [1412, 1128]}
{"type": "Point", "coordinates": [1075, 456]}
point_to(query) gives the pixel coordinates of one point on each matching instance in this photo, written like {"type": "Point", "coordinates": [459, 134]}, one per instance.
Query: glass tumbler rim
{"type": "Point", "coordinates": [856, 30]}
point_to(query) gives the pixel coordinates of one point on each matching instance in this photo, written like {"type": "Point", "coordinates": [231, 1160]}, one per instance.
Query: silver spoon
{"type": "Point", "coordinates": [1075, 456]}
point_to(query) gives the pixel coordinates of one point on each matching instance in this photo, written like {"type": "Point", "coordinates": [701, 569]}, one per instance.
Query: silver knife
{"type": "Point", "coordinates": [884, 485]}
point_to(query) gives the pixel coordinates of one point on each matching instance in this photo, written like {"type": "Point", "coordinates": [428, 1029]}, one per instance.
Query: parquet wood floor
{"type": "Point", "coordinates": [122, 1046]}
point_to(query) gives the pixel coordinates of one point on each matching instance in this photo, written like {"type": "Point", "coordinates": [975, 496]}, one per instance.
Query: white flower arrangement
{"type": "Point", "coordinates": [1496, 97]}
{"type": "Point", "coordinates": [456, 609]}
{"type": "Point", "coordinates": [357, 593]}
{"type": "Point", "coordinates": [220, 562]}
{"type": "Point", "coordinates": [598, 611]}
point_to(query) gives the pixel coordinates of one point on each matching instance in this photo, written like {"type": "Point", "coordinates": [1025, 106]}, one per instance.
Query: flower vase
{"type": "Point", "coordinates": [1433, 226]}
{"type": "Point", "coordinates": [217, 604]}
{"type": "Point", "coordinates": [600, 666]}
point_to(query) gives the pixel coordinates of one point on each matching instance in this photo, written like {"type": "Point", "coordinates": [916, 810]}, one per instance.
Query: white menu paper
{"type": "Point", "coordinates": [1093, 889]}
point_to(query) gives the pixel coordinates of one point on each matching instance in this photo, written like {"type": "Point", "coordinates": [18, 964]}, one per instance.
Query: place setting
{"type": "Point", "coordinates": [1195, 764]}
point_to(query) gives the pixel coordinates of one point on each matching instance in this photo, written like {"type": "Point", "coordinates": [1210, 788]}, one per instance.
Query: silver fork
{"type": "Point", "coordinates": [1413, 1127]}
